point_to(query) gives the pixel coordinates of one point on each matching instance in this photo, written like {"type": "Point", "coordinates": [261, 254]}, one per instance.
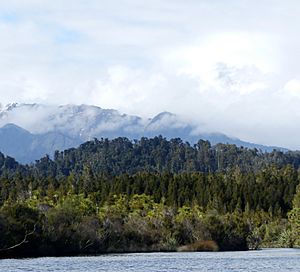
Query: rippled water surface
{"type": "Point", "coordinates": [264, 260]}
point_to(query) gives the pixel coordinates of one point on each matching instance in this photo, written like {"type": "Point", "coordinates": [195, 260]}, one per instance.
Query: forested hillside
{"type": "Point", "coordinates": [158, 154]}
{"type": "Point", "coordinates": [149, 195]}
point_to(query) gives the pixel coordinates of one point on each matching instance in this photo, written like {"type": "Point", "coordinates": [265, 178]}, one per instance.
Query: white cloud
{"type": "Point", "coordinates": [231, 66]}
{"type": "Point", "coordinates": [292, 88]}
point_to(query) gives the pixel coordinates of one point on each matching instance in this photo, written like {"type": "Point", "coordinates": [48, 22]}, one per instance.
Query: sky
{"type": "Point", "coordinates": [230, 66]}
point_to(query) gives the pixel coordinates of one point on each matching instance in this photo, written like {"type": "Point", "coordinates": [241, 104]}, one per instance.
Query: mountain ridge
{"type": "Point", "coordinates": [29, 131]}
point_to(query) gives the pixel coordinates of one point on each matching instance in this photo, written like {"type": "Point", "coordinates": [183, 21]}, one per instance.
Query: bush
{"type": "Point", "coordinates": [207, 245]}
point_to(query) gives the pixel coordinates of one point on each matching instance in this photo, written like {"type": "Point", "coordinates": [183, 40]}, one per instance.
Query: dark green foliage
{"type": "Point", "coordinates": [294, 218]}
{"type": "Point", "coordinates": [18, 225]}
{"type": "Point", "coordinates": [120, 155]}
{"type": "Point", "coordinates": [148, 195]}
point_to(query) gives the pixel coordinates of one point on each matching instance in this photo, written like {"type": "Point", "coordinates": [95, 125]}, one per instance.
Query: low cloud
{"type": "Point", "coordinates": [228, 66]}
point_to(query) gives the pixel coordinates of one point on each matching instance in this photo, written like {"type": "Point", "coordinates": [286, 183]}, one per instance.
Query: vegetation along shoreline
{"type": "Point", "coordinates": [154, 194]}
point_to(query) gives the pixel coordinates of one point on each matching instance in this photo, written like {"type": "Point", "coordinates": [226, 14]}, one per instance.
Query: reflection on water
{"type": "Point", "coordinates": [263, 260]}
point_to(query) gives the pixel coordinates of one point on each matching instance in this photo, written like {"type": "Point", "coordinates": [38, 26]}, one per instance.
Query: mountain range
{"type": "Point", "coordinates": [30, 131]}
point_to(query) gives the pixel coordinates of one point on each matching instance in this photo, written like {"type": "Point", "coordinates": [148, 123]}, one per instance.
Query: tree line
{"type": "Point", "coordinates": [149, 195]}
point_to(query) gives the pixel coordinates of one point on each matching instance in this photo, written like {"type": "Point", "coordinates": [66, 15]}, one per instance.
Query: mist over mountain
{"type": "Point", "coordinates": [29, 131]}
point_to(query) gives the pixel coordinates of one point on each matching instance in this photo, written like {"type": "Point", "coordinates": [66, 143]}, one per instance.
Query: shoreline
{"type": "Point", "coordinates": [147, 252]}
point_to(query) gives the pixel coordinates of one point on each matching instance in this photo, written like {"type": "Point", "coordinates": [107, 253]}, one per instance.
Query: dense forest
{"type": "Point", "coordinates": [149, 195]}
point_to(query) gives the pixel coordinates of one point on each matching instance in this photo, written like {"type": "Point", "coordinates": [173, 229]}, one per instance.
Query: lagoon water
{"type": "Point", "coordinates": [263, 260]}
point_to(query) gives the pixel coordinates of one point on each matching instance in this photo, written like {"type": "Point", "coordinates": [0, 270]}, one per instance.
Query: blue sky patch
{"type": "Point", "coordinates": [9, 17]}
{"type": "Point", "coordinates": [67, 36]}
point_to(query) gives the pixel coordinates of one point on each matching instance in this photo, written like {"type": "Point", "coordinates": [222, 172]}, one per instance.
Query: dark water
{"type": "Point", "coordinates": [264, 260]}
